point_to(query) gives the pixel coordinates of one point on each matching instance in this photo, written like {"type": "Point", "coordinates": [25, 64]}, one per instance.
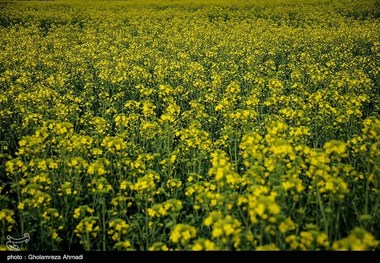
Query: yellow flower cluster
{"type": "Point", "coordinates": [171, 206]}
{"type": "Point", "coordinates": [7, 220]}
{"type": "Point", "coordinates": [261, 204]}
{"type": "Point", "coordinates": [182, 234]}
{"type": "Point", "coordinates": [82, 210]}
{"type": "Point", "coordinates": [100, 185]}
{"type": "Point", "coordinates": [227, 229]}
{"type": "Point", "coordinates": [222, 170]}
{"type": "Point", "coordinates": [308, 240]}
{"type": "Point", "coordinates": [147, 183]}
{"type": "Point", "coordinates": [190, 125]}
{"type": "Point", "coordinates": [358, 239]}
{"type": "Point", "coordinates": [118, 228]}
{"type": "Point", "coordinates": [204, 244]}
{"type": "Point", "coordinates": [87, 226]}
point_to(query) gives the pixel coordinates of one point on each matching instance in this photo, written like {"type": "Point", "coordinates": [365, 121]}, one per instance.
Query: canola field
{"type": "Point", "coordinates": [190, 125]}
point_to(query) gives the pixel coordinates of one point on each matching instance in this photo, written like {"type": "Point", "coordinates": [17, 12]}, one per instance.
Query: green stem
{"type": "Point", "coordinates": [377, 201]}
{"type": "Point", "coordinates": [104, 223]}
{"type": "Point", "coordinates": [87, 244]}
{"type": "Point", "coordinates": [146, 225]}
{"type": "Point", "coordinates": [366, 197]}
{"type": "Point", "coordinates": [321, 207]}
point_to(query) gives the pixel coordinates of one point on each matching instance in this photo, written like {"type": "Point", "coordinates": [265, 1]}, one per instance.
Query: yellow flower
{"type": "Point", "coordinates": [286, 225]}
{"type": "Point", "coordinates": [358, 239]}
{"type": "Point", "coordinates": [182, 233]}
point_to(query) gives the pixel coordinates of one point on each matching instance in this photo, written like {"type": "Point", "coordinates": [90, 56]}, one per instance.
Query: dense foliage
{"type": "Point", "coordinates": [190, 125]}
